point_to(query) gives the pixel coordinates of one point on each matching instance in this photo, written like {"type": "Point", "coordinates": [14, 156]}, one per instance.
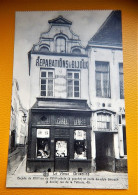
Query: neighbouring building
{"type": "Point", "coordinates": [18, 127]}
{"type": "Point", "coordinates": [77, 115]}
{"type": "Point", "coordinates": [106, 87]}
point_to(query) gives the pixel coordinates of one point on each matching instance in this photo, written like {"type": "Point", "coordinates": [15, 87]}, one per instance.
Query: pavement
{"type": "Point", "coordinates": [101, 179]}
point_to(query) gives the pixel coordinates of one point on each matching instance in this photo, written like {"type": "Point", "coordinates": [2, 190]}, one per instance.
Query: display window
{"type": "Point", "coordinates": [80, 144]}
{"type": "Point", "coordinates": [43, 143]}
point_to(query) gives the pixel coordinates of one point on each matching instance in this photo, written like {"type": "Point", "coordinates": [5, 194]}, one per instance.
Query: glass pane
{"type": "Point", "coordinates": [60, 43]}
{"type": "Point", "coordinates": [104, 68]}
{"type": "Point", "coordinates": [50, 93]}
{"type": "Point", "coordinates": [80, 149]}
{"type": "Point", "coordinates": [105, 89]}
{"type": "Point", "coordinates": [43, 81]}
{"type": "Point", "coordinates": [61, 148]}
{"type": "Point", "coordinates": [50, 87]}
{"type": "Point", "coordinates": [98, 67]}
{"type": "Point", "coordinates": [50, 74]}
{"type": "Point", "coordinates": [105, 76]}
{"type": "Point", "coordinates": [121, 86]}
{"type": "Point", "coordinates": [70, 93]}
{"type": "Point", "coordinates": [76, 89]}
{"type": "Point", "coordinates": [76, 75]}
{"type": "Point", "coordinates": [43, 87]}
{"type": "Point", "coordinates": [76, 94]}
{"type": "Point", "coordinates": [70, 82]}
{"type": "Point", "coordinates": [69, 75]}
{"type": "Point", "coordinates": [98, 88]}
{"type": "Point", "coordinates": [43, 74]}
{"type": "Point", "coordinates": [43, 148]}
{"type": "Point", "coordinates": [70, 88]}
{"type": "Point", "coordinates": [98, 76]}
{"type": "Point", "coordinates": [76, 82]}
{"type": "Point", "coordinates": [50, 82]}
{"type": "Point", "coordinates": [43, 93]}
{"type": "Point", "coordinates": [121, 67]}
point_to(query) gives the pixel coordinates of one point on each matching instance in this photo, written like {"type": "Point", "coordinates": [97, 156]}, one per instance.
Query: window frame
{"type": "Point", "coordinates": [46, 84]}
{"type": "Point", "coordinates": [73, 86]}
{"type": "Point", "coordinates": [102, 80]}
{"type": "Point", "coordinates": [46, 139]}
{"type": "Point", "coordinates": [63, 38]}
{"type": "Point", "coordinates": [121, 118]}
{"type": "Point", "coordinates": [81, 140]}
{"type": "Point", "coordinates": [104, 121]}
{"type": "Point", "coordinates": [121, 73]}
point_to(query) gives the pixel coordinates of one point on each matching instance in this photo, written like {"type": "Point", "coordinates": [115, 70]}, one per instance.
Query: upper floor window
{"type": "Point", "coordinates": [44, 49]}
{"type": "Point", "coordinates": [76, 51]}
{"type": "Point", "coordinates": [103, 121]}
{"type": "Point", "coordinates": [47, 83]}
{"type": "Point", "coordinates": [102, 79]}
{"type": "Point", "coordinates": [121, 80]}
{"type": "Point", "coordinates": [61, 45]}
{"type": "Point", "coordinates": [73, 84]}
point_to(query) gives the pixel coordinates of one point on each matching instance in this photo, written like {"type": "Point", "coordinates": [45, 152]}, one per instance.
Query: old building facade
{"type": "Point", "coordinates": [18, 127]}
{"type": "Point", "coordinates": [77, 120]}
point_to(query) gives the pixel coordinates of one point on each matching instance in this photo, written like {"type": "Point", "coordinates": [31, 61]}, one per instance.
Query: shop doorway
{"type": "Point", "coordinates": [105, 159]}
{"type": "Point", "coordinates": [61, 155]}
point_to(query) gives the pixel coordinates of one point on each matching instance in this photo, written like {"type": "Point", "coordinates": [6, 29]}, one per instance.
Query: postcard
{"type": "Point", "coordinates": [68, 126]}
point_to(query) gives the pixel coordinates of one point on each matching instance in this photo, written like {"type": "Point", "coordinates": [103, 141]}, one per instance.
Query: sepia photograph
{"type": "Point", "coordinates": [67, 125]}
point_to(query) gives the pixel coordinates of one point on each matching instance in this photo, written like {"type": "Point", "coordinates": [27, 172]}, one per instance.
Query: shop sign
{"type": "Point", "coordinates": [42, 133]}
{"type": "Point", "coordinates": [79, 135]}
{"type": "Point", "coordinates": [62, 63]}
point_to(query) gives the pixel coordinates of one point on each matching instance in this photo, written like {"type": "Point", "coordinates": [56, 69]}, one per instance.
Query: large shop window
{"type": "Point", "coordinates": [47, 83]}
{"type": "Point", "coordinates": [121, 80]}
{"type": "Point", "coordinates": [80, 144]}
{"type": "Point", "coordinates": [102, 79]}
{"type": "Point", "coordinates": [43, 143]}
{"type": "Point", "coordinates": [61, 45]}
{"type": "Point", "coordinates": [73, 84]}
{"type": "Point", "coordinates": [103, 121]}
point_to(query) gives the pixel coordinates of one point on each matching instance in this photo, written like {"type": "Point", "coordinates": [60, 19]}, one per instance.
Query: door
{"type": "Point", "coordinates": [105, 159]}
{"type": "Point", "coordinates": [61, 155]}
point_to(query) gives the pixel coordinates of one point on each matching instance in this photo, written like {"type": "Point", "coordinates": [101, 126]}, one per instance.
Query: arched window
{"type": "Point", "coordinates": [44, 49]}
{"type": "Point", "coordinates": [61, 45]}
{"type": "Point", "coordinates": [76, 51]}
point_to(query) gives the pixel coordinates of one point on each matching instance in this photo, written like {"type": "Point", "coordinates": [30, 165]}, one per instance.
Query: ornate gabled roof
{"type": "Point", "coordinates": [60, 20]}
{"type": "Point", "coordinates": [110, 33]}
